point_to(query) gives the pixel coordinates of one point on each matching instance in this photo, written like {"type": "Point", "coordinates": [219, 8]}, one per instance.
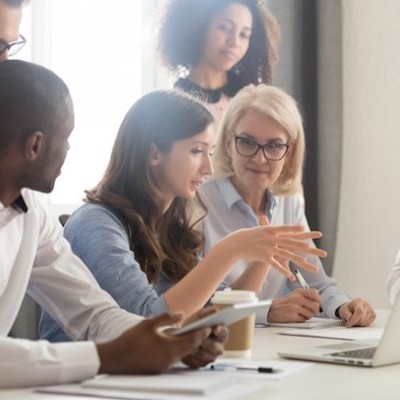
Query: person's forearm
{"type": "Point", "coordinates": [258, 244]}
{"type": "Point", "coordinates": [196, 288]}
{"type": "Point", "coordinates": [107, 355]}
{"type": "Point", "coordinates": [252, 278]}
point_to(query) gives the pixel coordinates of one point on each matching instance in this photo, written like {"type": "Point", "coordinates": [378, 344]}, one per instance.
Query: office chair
{"type": "Point", "coordinates": [27, 321]}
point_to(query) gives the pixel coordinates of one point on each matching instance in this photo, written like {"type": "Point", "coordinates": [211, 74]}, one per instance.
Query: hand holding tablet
{"type": "Point", "coordinates": [226, 316]}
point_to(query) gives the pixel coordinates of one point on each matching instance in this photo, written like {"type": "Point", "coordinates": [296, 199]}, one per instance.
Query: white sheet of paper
{"type": "Point", "coordinates": [312, 323]}
{"type": "Point", "coordinates": [232, 391]}
{"type": "Point", "coordinates": [339, 332]}
{"type": "Point", "coordinates": [283, 368]}
{"type": "Point", "coordinates": [183, 381]}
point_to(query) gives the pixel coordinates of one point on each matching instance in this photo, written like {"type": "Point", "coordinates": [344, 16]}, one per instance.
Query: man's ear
{"type": "Point", "coordinates": [154, 155]}
{"type": "Point", "coordinates": [33, 145]}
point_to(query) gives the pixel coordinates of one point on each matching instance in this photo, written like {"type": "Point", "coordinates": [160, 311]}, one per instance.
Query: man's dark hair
{"type": "Point", "coordinates": [31, 99]}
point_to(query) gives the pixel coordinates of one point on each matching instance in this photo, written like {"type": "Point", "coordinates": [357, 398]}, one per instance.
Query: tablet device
{"type": "Point", "coordinates": [226, 316]}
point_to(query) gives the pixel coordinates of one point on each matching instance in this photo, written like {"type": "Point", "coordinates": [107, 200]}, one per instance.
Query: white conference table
{"type": "Point", "coordinates": [319, 381]}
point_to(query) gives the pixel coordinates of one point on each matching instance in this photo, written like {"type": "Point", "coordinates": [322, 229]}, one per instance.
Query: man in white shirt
{"type": "Point", "coordinates": [36, 119]}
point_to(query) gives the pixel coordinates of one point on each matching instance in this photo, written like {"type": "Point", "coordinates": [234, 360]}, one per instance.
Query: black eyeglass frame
{"type": "Point", "coordinates": [260, 146]}
{"type": "Point", "coordinates": [8, 46]}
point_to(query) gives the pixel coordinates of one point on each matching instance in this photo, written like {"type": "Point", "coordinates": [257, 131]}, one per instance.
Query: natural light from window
{"type": "Point", "coordinates": [104, 51]}
{"type": "Point", "coordinates": [96, 49]}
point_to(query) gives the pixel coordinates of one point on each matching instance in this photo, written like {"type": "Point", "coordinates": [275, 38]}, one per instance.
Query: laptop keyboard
{"type": "Point", "coordinates": [362, 354]}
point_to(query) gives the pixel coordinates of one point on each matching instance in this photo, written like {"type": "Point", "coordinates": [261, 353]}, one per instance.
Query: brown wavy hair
{"type": "Point", "coordinates": [162, 242]}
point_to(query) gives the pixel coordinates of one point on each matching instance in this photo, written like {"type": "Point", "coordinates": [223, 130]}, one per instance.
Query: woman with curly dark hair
{"type": "Point", "coordinates": [216, 47]}
{"type": "Point", "coordinates": [137, 232]}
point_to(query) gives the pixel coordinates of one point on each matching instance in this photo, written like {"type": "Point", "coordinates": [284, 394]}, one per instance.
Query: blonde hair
{"type": "Point", "coordinates": [278, 105]}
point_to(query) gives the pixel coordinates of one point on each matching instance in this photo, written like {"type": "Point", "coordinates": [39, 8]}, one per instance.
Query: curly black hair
{"type": "Point", "coordinates": [182, 29]}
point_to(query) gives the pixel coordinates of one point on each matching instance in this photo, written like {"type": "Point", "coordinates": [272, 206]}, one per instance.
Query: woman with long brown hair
{"type": "Point", "coordinates": [137, 232]}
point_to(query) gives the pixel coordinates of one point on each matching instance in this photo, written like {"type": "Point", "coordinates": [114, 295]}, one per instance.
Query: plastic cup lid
{"type": "Point", "coordinates": [229, 296]}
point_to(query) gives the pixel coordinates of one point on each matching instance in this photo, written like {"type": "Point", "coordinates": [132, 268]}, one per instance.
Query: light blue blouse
{"type": "Point", "coordinates": [227, 212]}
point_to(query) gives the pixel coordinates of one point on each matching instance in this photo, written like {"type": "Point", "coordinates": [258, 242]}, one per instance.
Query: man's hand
{"type": "Point", "coordinates": [357, 312]}
{"type": "Point", "coordinates": [145, 349]}
{"type": "Point", "coordinates": [212, 346]}
{"type": "Point", "coordinates": [298, 306]}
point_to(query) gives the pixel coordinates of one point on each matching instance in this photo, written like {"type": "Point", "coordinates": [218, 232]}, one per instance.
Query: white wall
{"type": "Point", "coordinates": [369, 210]}
{"type": "Point", "coordinates": [330, 122]}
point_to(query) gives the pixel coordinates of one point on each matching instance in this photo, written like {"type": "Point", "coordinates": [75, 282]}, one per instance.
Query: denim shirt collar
{"type": "Point", "coordinates": [233, 198]}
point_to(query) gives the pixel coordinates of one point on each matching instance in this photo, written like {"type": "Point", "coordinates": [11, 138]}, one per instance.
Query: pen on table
{"type": "Point", "coordinates": [224, 367]}
{"type": "Point", "coordinates": [303, 282]}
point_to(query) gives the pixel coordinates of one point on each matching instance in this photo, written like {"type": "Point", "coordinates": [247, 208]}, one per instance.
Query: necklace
{"type": "Point", "coordinates": [206, 95]}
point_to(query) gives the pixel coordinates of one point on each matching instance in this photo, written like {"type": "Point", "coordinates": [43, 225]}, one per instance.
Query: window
{"type": "Point", "coordinates": [104, 52]}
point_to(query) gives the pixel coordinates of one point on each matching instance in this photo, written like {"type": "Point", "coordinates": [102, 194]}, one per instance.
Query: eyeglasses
{"type": "Point", "coordinates": [272, 151]}
{"type": "Point", "coordinates": [12, 47]}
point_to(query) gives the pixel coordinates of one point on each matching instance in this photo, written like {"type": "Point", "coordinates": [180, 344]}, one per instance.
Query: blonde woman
{"type": "Point", "coordinates": [258, 169]}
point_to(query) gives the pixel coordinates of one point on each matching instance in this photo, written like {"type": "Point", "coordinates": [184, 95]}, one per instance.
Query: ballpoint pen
{"type": "Point", "coordinates": [233, 367]}
{"type": "Point", "coordinates": [303, 282]}
{"type": "Point", "coordinates": [301, 279]}
{"type": "Point", "coordinates": [268, 370]}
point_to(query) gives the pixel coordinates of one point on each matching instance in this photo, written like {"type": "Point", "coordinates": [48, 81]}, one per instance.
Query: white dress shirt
{"type": "Point", "coordinates": [394, 280]}
{"type": "Point", "coordinates": [35, 257]}
{"type": "Point", "coordinates": [227, 212]}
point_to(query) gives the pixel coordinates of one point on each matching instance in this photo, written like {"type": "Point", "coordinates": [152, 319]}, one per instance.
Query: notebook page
{"type": "Point", "coordinates": [312, 323]}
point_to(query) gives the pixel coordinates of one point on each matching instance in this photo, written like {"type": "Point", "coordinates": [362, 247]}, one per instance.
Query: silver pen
{"type": "Point", "coordinates": [303, 282]}
{"type": "Point", "coordinates": [233, 367]}
{"type": "Point", "coordinates": [301, 279]}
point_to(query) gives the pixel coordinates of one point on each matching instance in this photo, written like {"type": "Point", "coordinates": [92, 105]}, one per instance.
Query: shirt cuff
{"type": "Point", "coordinates": [79, 361]}
{"type": "Point", "coordinates": [261, 316]}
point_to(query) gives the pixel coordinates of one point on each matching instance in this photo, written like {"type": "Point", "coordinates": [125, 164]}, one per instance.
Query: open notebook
{"type": "Point", "coordinates": [312, 323]}
{"type": "Point", "coordinates": [177, 382]}
{"type": "Point", "coordinates": [359, 353]}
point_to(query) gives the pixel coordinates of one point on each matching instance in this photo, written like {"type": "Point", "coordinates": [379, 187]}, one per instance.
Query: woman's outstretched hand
{"type": "Point", "coordinates": [276, 246]}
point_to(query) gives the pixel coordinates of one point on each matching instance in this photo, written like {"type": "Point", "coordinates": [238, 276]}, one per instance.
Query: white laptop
{"type": "Point", "coordinates": [358, 353]}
